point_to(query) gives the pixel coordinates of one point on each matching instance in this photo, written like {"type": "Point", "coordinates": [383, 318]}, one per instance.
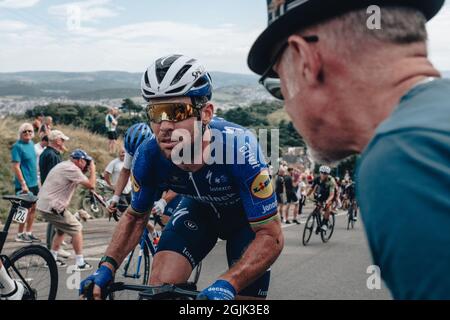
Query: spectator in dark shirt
{"type": "Point", "coordinates": [279, 190]}
{"type": "Point", "coordinates": [291, 197]}
{"type": "Point", "coordinates": [51, 156]}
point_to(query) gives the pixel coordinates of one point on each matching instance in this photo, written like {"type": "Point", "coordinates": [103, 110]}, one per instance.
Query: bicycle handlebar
{"type": "Point", "coordinates": [161, 292]}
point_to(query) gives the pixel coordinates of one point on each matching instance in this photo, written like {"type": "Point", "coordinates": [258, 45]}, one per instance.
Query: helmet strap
{"type": "Point", "coordinates": [199, 103]}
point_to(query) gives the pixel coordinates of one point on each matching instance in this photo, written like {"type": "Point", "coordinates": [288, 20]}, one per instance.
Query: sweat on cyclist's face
{"type": "Point", "coordinates": [164, 131]}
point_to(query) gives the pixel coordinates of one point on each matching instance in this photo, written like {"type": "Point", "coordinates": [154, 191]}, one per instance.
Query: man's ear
{"type": "Point", "coordinates": [208, 113]}
{"type": "Point", "coordinates": [306, 55]}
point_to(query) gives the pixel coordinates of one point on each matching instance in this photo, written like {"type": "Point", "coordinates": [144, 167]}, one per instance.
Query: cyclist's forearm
{"type": "Point", "coordinates": [122, 182]}
{"type": "Point", "coordinates": [257, 258]}
{"type": "Point", "coordinates": [126, 236]}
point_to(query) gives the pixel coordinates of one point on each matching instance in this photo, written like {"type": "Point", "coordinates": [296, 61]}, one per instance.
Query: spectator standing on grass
{"type": "Point", "coordinates": [112, 173]}
{"type": "Point", "coordinates": [37, 122]}
{"type": "Point", "coordinates": [26, 180]}
{"type": "Point", "coordinates": [46, 127]}
{"type": "Point", "coordinates": [54, 199]}
{"type": "Point", "coordinates": [52, 154]}
{"type": "Point", "coordinates": [48, 160]}
{"type": "Point", "coordinates": [111, 128]}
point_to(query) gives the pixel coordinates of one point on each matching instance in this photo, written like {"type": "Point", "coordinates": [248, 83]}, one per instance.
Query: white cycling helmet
{"type": "Point", "coordinates": [325, 169]}
{"type": "Point", "coordinates": [174, 76]}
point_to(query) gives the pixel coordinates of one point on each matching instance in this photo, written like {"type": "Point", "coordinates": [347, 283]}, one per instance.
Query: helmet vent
{"type": "Point", "coordinates": [176, 90]}
{"type": "Point", "coordinates": [200, 82]}
{"type": "Point", "coordinates": [180, 74]}
{"type": "Point", "coordinates": [147, 82]}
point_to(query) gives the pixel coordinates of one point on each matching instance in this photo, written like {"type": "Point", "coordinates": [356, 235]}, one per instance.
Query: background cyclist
{"type": "Point", "coordinates": [324, 189]}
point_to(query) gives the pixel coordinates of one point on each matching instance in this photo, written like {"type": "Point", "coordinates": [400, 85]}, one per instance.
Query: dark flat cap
{"type": "Point", "coordinates": [288, 16]}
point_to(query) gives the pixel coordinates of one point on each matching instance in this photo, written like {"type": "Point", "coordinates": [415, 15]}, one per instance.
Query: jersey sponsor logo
{"type": "Point", "coordinates": [261, 186]}
{"type": "Point", "coordinates": [269, 207]}
{"type": "Point", "coordinates": [226, 199]}
{"type": "Point", "coordinates": [135, 184]}
{"type": "Point", "coordinates": [191, 225]}
{"type": "Point", "coordinates": [178, 214]}
{"type": "Point", "coordinates": [262, 293]}
{"type": "Point", "coordinates": [189, 256]}
{"type": "Point", "coordinates": [249, 155]}
{"type": "Point", "coordinates": [216, 180]}
{"type": "Point", "coordinates": [216, 189]}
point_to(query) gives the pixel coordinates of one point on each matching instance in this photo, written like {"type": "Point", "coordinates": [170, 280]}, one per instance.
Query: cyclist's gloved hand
{"type": "Point", "coordinates": [219, 290]}
{"type": "Point", "coordinates": [159, 206]}
{"type": "Point", "coordinates": [112, 206]}
{"type": "Point", "coordinates": [101, 278]}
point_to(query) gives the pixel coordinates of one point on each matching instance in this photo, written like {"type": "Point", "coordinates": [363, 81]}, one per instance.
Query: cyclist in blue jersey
{"type": "Point", "coordinates": [232, 200]}
{"type": "Point", "coordinates": [134, 137]}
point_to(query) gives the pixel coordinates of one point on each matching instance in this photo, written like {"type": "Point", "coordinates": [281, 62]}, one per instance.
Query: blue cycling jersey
{"type": "Point", "coordinates": [241, 182]}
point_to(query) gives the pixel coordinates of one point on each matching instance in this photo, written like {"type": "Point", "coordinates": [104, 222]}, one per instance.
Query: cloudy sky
{"type": "Point", "coordinates": [127, 35]}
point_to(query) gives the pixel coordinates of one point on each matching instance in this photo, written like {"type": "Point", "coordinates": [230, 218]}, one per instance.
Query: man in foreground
{"type": "Point", "coordinates": [353, 89]}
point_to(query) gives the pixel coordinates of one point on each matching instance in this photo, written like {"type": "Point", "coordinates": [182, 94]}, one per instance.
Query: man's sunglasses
{"type": "Point", "coordinates": [271, 84]}
{"type": "Point", "coordinates": [27, 131]}
{"type": "Point", "coordinates": [173, 112]}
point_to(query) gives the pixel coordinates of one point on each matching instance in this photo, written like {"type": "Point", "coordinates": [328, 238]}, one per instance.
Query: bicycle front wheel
{"type": "Point", "coordinates": [36, 268]}
{"type": "Point", "coordinates": [134, 270]}
{"type": "Point", "coordinates": [326, 235]}
{"type": "Point", "coordinates": [93, 208]}
{"type": "Point", "coordinates": [309, 228]}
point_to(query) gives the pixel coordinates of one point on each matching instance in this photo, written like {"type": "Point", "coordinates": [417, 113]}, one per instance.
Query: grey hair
{"type": "Point", "coordinates": [24, 126]}
{"type": "Point", "coordinates": [399, 25]}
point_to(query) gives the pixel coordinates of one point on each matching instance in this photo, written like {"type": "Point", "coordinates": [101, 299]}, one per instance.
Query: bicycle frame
{"type": "Point", "coordinates": [145, 241]}
{"type": "Point", "coordinates": [4, 232]}
{"type": "Point", "coordinates": [318, 216]}
{"type": "Point", "coordinates": [6, 261]}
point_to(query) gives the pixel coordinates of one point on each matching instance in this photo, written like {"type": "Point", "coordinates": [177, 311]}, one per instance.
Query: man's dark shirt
{"type": "Point", "coordinates": [49, 158]}
{"type": "Point", "coordinates": [279, 182]}
{"type": "Point", "coordinates": [288, 184]}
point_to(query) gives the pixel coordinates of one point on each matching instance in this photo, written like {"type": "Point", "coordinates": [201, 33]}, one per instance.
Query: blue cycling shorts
{"type": "Point", "coordinates": [193, 231]}
{"type": "Point", "coordinates": [172, 205]}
